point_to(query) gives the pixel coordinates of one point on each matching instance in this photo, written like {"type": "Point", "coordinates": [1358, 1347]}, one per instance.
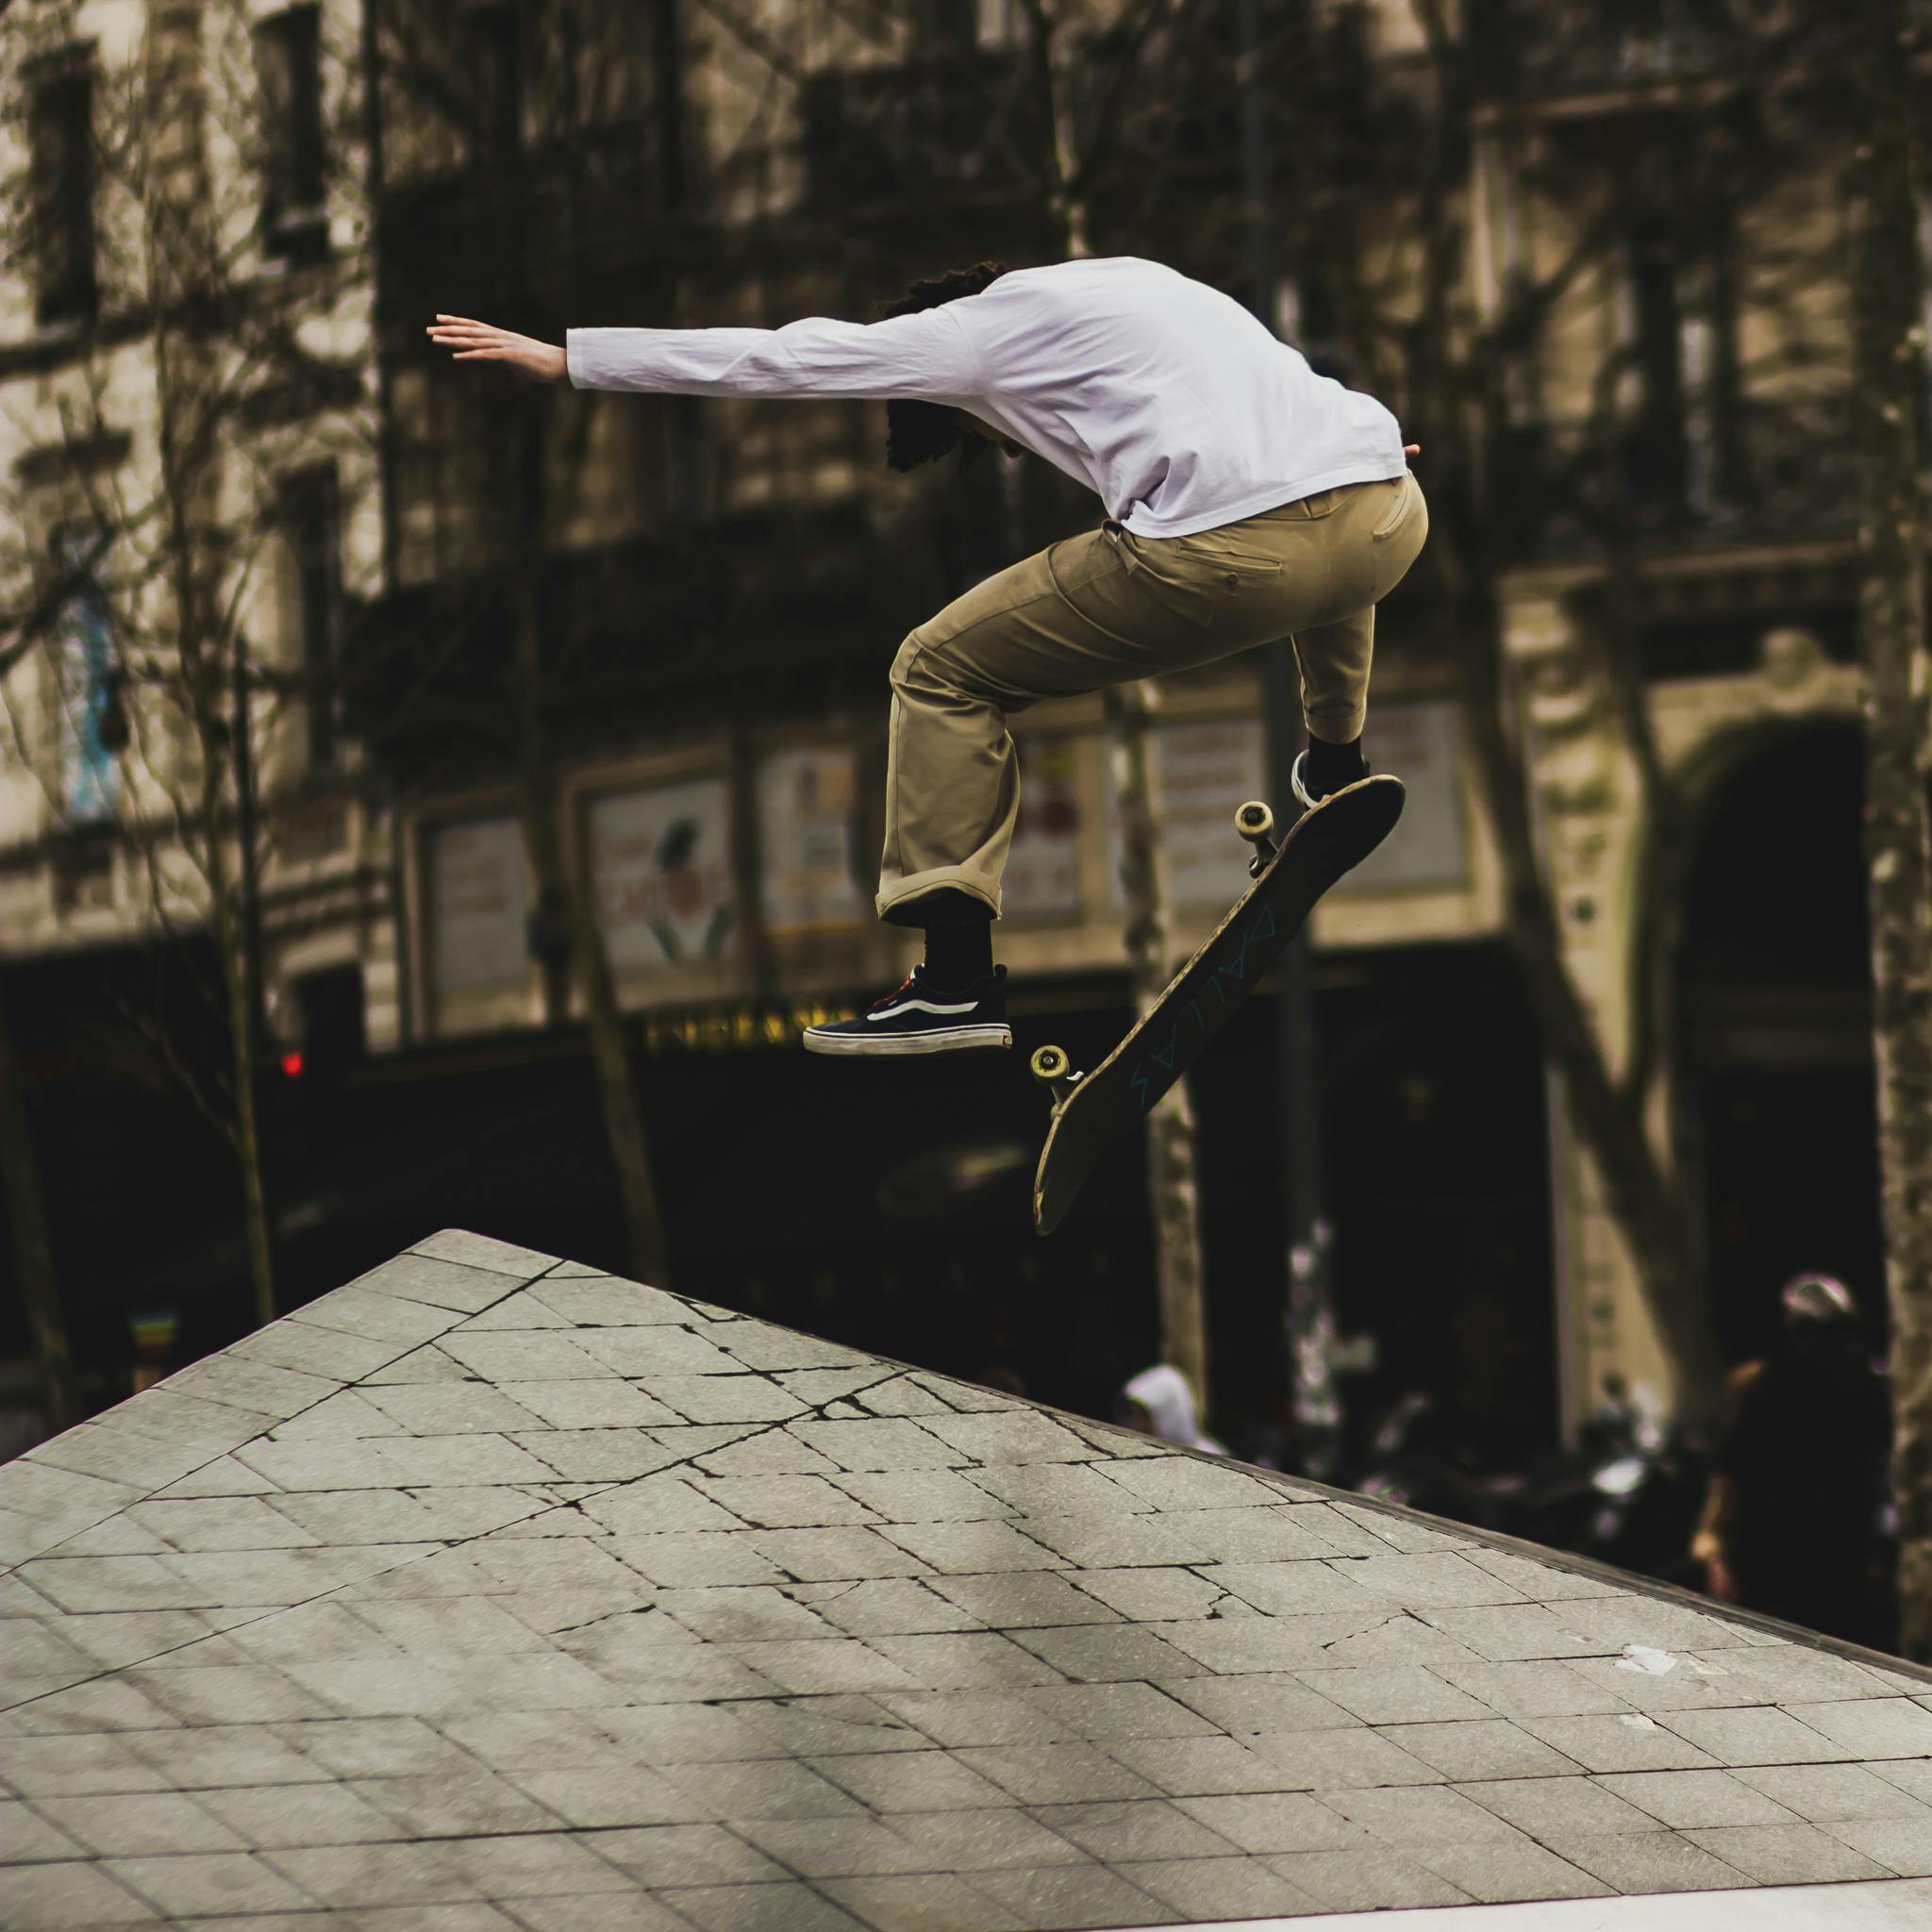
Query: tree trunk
{"type": "Point", "coordinates": [1890, 347]}
{"type": "Point", "coordinates": [1130, 710]}
{"type": "Point", "coordinates": [629, 1151]}
{"type": "Point", "coordinates": [182, 254]}
{"type": "Point", "coordinates": [33, 1246]}
{"type": "Point", "coordinates": [244, 1134]}
{"type": "Point", "coordinates": [1605, 1113]}
{"type": "Point", "coordinates": [1308, 1329]}
{"type": "Point", "coordinates": [261, 1266]}
{"type": "Point", "coordinates": [1608, 1118]}
{"type": "Point", "coordinates": [572, 938]}
{"type": "Point", "coordinates": [1065, 203]}
{"type": "Point", "coordinates": [248, 993]}
{"type": "Point", "coordinates": [1172, 1193]}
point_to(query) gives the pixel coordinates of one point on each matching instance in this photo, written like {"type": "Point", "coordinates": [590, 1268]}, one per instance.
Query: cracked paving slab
{"type": "Point", "coordinates": [491, 1591]}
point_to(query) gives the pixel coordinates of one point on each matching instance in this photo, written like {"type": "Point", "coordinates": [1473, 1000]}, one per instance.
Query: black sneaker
{"type": "Point", "coordinates": [921, 1019]}
{"type": "Point", "coordinates": [1298, 781]}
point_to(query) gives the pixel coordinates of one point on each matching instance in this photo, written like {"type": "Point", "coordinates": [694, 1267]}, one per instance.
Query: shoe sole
{"type": "Point", "coordinates": [882, 1045]}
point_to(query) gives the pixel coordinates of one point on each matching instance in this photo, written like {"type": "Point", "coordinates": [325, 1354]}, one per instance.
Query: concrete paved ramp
{"type": "Point", "coordinates": [491, 1592]}
{"type": "Point", "coordinates": [1885, 1904]}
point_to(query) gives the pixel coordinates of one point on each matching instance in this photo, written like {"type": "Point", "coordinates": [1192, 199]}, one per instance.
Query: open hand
{"type": "Point", "coordinates": [477, 341]}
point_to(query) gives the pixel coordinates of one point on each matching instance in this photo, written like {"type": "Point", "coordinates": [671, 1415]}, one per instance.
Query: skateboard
{"type": "Point", "coordinates": [1089, 1109]}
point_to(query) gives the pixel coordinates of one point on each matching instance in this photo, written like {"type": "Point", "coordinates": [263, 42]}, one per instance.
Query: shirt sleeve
{"type": "Point", "coordinates": [927, 355]}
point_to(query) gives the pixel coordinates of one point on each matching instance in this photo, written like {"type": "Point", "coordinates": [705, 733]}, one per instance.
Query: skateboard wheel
{"type": "Point", "coordinates": [1050, 1065]}
{"type": "Point", "coordinates": [1253, 819]}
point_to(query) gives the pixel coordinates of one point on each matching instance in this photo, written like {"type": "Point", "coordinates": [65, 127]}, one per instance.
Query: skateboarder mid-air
{"type": "Point", "coordinates": [1246, 497]}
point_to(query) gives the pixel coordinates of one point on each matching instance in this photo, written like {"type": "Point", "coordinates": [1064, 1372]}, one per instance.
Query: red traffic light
{"type": "Point", "coordinates": [292, 1065]}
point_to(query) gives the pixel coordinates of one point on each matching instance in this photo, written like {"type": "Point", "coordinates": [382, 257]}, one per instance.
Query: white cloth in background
{"type": "Point", "coordinates": [1163, 1392]}
{"type": "Point", "coordinates": [1166, 398]}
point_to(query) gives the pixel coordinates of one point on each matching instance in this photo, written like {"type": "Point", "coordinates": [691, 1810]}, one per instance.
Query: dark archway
{"type": "Point", "coordinates": [1774, 1033]}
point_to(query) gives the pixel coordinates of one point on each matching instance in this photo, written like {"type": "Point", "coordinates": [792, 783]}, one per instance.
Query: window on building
{"type": "Point", "coordinates": [308, 515]}
{"type": "Point", "coordinates": [88, 780]}
{"type": "Point", "coordinates": [788, 456]}
{"type": "Point", "coordinates": [330, 1018]}
{"type": "Point", "coordinates": [947, 26]}
{"type": "Point", "coordinates": [287, 54]}
{"type": "Point", "coordinates": [1681, 397]}
{"type": "Point", "coordinates": [495, 79]}
{"type": "Point", "coordinates": [1654, 433]}
{"type": "Point", "coordinates": [1308, 315]}
{"type": "Point", "coordinates": [602, 467]}
{"type": "Point", "coordinates": [439, 477]}
{"type": "Point", "coordinates": [60, 141]}
{"type": "Point", "coordinates": [1000, 22]}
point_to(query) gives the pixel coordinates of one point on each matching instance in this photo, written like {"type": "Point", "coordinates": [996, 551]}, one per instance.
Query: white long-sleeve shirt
{"type": "Point", "coordinates": [1163, 396]}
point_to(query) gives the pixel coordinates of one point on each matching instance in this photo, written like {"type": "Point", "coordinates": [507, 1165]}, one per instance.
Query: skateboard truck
{"type": "Point", "coordinates": [1051, 1067]}
{"type": "Point", "coordinates": [1256, 824]}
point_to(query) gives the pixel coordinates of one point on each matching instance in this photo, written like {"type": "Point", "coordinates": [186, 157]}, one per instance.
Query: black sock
{"type": "Point", "coordinates": [958, 952]}
{"type": "Point", "coordinates": [1332, 766]}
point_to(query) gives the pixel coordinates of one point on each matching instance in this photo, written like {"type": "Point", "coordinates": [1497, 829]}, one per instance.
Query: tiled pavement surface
{"type": "Point", "coordinates": [490, 1591]}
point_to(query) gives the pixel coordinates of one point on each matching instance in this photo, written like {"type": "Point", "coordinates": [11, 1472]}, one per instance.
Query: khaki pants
{"type": "Point", "coordinates": [1107, 607]}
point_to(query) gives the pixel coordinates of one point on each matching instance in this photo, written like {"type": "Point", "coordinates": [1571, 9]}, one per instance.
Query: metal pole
{"type": "Point", "coordinates": [244, 832]}
{"type": "Point", "coordinates": [256, 1003]}
{"type": "Point", "coordinates": [1305, 1314]}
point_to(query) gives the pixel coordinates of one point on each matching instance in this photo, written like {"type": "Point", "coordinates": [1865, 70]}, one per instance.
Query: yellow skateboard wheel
{"type": "Point", "coordinates": [1050, 1065]}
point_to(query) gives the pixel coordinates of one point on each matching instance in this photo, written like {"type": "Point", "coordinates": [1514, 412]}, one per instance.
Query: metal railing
{"type": "Point", "coordinates": [959, 126]}
{"type": "Point", "coordinates": [589, 208]}
{"type": "Point", "coordinates": [1762, 471]}
{"type": "Point", "coordinates": [1531, 49]}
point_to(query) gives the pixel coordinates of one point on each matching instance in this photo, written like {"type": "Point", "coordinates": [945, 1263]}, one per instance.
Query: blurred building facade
{"type": "Point", "coordinates": [1670, 233]}
{"type": "Point", "coordinates": [188, 478]}
{"type": "Point", "coordinates": [1655, 458]}
{"type": "Point", "coordinates": [229, 136]}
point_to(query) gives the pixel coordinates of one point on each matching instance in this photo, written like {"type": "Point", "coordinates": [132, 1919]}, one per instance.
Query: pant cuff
{"type": "Point", "coordinates": [1337, 727]}
{"type": "Point", "coordinates": [894, 902]}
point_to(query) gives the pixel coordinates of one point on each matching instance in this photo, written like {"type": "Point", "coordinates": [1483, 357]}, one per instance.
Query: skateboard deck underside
{"type": "Point", "coordinates": [1320, 847]}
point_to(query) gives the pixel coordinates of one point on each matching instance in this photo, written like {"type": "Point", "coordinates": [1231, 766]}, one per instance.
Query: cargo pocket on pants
{"type": "Point", "coordinates": [1404, 507]}
{"type": "Point", "coordinates": [1167, 581]}
{"type": "Point", "coordinates": [1219, 553]}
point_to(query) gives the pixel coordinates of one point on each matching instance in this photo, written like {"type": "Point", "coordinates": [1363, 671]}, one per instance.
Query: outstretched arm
{"type": "Point", "coordinates": [927, 355]}
{"type": "Point", "coordinates": [477, 341]}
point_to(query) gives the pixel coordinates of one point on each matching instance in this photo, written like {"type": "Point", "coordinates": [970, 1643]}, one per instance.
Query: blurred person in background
{"type": "Point", "coordinates": [1246, 497]}
{"type": "Point", "coordinates": [1794, 1521]}
{"type": "Point", "coordinates": [1158, 1402]}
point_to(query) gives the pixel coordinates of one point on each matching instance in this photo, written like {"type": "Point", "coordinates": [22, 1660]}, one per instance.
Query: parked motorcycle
{"type": "Point", "coordinates": [1629, 1493]}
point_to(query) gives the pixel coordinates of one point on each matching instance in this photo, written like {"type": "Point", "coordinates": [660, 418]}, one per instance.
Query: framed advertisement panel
{"type": "Point", "coordinates": [808, 799]}
{"type": "Point", "coordinates": [1207, 768]}
{"type": "Point", "coordinates": [660, 871]}
{"type": "Point", "coordinates": [478, 904]}
{"type": "Point", "coordinates": [1427, 848]}
{"type": "Point", "coordinates": [1042, 878]}
{"type": "Point", "coordinates": [1204, 770]}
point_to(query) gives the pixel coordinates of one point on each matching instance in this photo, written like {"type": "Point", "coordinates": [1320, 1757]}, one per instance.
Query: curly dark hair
{"type": "Point", "coordinates": [923, 432]}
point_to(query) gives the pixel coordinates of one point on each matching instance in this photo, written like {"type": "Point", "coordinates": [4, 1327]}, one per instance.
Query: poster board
{"type": "Point", "coordinates": [1203, 769]}
{"type": "Point", "coordinates": [660, 872]}
{"type": "Point", "coordinates": [1206, 768]}
{"type": "Point", "coordinates": [1419, 743]}
{"type": "Point", "coordinates": [1042, 878]}
{"type": "Point", "coordinates": [807, 800]}
{"type": "Point", "coordinates": [478, 903]}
